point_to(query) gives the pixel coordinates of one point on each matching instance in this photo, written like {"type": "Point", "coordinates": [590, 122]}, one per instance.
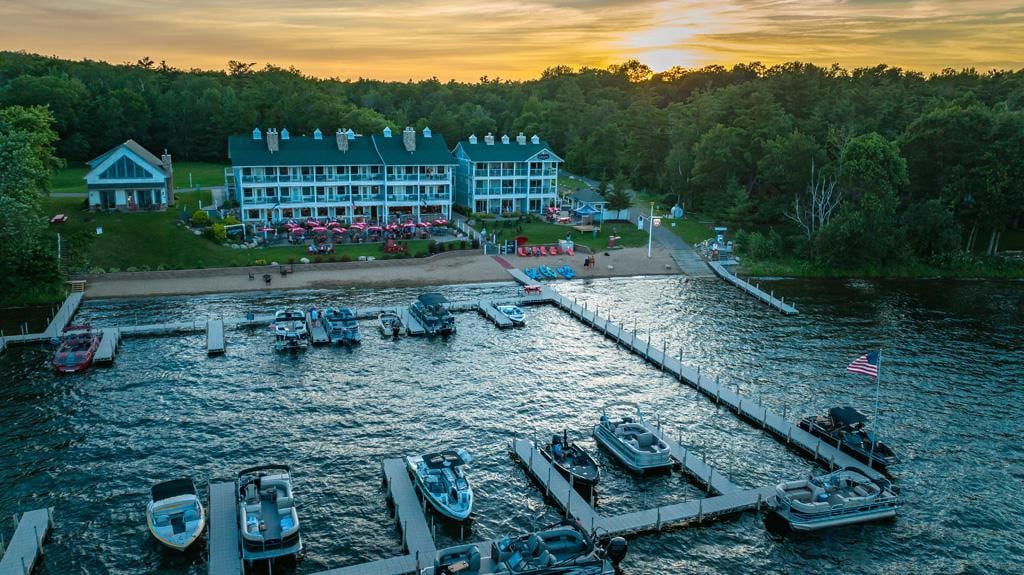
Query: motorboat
{"type": "Point", "coordinates": [290, 335]}
{"type": "Point", "coordinates": [564, 549]}
{"type": "Point", "coordinates": [431, 310]}
{"type": "Point", "coordinates": [289, 315]}
{"type": "Point", "coordinates": [514, 313]}
{"type": "Point", "coordinates": [845, 427]}
{"type": "Point", "coordinates": [632, 442]}
{"type": "Point", "coordinates": [341, 326]}
{"type": "Point", "coordinates": [390, 324]}
{"type": "Point", "coordinates": [571, 460]}
{"type": "Point", "coordinates": [268, 521]}
{"type": "Point", "coordinates": [174, 514]}
{"type": "Point", "coordinates": [441, 479]}
{"type": "Point", "coordinates": [75, 348]}
{"type": "Point", "coordinates": [842, 497]}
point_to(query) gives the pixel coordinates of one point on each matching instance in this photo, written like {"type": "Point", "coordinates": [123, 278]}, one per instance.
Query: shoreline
{"type": "Point", "coordinates": [443, 269]}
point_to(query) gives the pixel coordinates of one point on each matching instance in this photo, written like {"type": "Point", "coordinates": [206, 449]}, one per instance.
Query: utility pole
{"type": "Point", "coordinates": [650, 232]}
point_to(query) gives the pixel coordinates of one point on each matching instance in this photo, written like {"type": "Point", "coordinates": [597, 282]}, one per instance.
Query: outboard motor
{"type": "Point", "coordinates": [615, 551]}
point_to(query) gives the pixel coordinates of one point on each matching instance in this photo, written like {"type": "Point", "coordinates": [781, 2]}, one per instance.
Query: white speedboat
{"type": "Point", "coordinates": [442, 481]}
{"type": "Point", "coordinates": [268, 521]}
{"type": "Point", "coordinates": [632, 443]}
{"type": "Point", "coordinates": [390, 324]}
{"type": "Point", "coordinates": [175, 515]}
{"type": "Point", "coordinates": [514, 313]}
{"type": "Point", "coordinates": [839, 498]}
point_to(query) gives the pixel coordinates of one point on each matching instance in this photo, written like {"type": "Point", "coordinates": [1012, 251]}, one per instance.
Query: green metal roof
{"type": "Point", "coordinates": [589, 196]}
{"type": "Point", "coordinates": [510, 152]}
{"type": "Point", "coordinates": [302, 151]}
{"type": "Point", "coordinates": [432, 151]}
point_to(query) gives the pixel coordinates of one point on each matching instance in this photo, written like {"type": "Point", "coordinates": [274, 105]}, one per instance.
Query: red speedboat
{"type": "Point", "coordinates": [76, 348]}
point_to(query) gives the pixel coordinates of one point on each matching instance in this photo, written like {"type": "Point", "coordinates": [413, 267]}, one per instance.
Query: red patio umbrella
{"type": "Point", "coordinates": [374, 229]}
{"type": "Point", "coordinates": [297, 231]}
{"type": "Point", "coordinates": [338, 230]}
{"type": "Point", "coordinates": [334, 225]}
{"type": "Point", "coordinates": [424, 225]}
{"type": "Point", "coordinates": [319, 229]}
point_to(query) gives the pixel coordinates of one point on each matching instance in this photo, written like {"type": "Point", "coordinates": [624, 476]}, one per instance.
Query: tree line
{"type": "Point", "coordinates": [825, 163]}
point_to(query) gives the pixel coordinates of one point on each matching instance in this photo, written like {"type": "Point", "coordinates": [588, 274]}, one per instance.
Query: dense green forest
{"type": "Point", "coordinates": [820, 165]}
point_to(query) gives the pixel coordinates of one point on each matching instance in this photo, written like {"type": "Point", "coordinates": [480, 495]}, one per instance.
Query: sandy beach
{"type": "Point", "coordinates": [441, 269]}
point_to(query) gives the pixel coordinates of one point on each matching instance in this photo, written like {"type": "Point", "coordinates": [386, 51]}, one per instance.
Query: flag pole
{"type": "Point", "coordinates": [874, 413]}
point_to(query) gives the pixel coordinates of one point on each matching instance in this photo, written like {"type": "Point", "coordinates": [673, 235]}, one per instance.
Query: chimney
{"type": "Point", "coordinates": [256, 135]}
{"type": "Point", "coordinates": [342, 138]}
{"type": "Point", "coordinates": [272, 142]}
{"type": "Point", "coordinates": [521, 139]}
{"type": "Point", "coordinates": [489, 139]}
{"type": "Point", "coordinates": [426, 132]}
{"type": "Point", "coordinates": [317, 134]}
{"type": "Point", "coordinates": [535, 139]}
{"type": "Point", "coordinates": [409, 139]}
{"type": "Point", "coordinates": [284, 133]}
{"type": "Point", "coordinates": [504, 139]}
{"type": "Point", "coordinates": [472, 138]}
{"type": "Point", "coordinates": [387, 132]}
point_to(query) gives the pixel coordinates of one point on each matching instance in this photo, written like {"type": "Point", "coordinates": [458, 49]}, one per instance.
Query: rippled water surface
{"type": "Point", "coordinates": [91, 444]}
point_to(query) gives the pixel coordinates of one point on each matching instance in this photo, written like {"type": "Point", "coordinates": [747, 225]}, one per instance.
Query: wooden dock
{"type": "Point", "coordinates": [769, 299]}
{"type": "Point", "coordinates": [487, 309]}
{"type": "Point", "coordinates": [26, 546]}
{"type": "Point", "coordinates": [215, 336]}
{"type": "Point", "coordinates": [317, 331]}
{"type": "Point", "coordinates": [110, 338]}
{"type": "Point", "coordinates": [409, 516]}
{"type": "Point", "coordinates": [695, 466]}
{"type": "Point", "coordinates": [412, 325]}
{"type": "Point", "coordinates": [553, 484]}
{"type": "Point", "coordinates": [223, 545]}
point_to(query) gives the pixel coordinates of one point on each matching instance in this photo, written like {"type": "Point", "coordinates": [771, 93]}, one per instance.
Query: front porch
{"type": "Point", "coordinates": [128, 200]}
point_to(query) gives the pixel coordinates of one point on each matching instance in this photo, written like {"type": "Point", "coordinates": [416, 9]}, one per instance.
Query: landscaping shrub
{"type": "Point", "coordinates": [161, 268]}
{"type": "Point", "coordinates": [200, 218]}
{"type": "Point", "coordinates": [292, 260]}
{"type": "Point", "coordinates": [97, 270]}
{"type": "Point", "coordinates": [131, 269]}
{"type": "Point", "coordinates": [346, 258]}
{"type": "Point", "coordinates": [231, 221]}
{"type": "Point", "coordinates": [317, 258]}
{"type": "Point", "coordinates": [332, 258]}
{"type": "Point", "coordinates": [220, 234]}
{"type": "Point", "coordinates": [476, 243]}
{"type": "Point", "coordinates": [113, 270]}
{"type": "Point", "coordinates": [462, 244]}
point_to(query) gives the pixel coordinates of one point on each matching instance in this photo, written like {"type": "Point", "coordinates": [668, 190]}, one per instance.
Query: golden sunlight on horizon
{"type": "Point", "coordinates": [406, 39]}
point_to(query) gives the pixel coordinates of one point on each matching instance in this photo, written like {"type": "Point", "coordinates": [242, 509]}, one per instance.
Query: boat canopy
{"type": "Point", "coordinates": [847, 416]}
{"type": "Point", "coordinates": [443, 459]}
{"type": "Point", "coordinates": [173, 488]}
{"type": "Point", "coordinates": [432, 299]}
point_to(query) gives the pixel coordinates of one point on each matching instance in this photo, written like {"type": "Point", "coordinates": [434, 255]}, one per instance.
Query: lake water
{"type": "Point", "coordinates": [90, 445]}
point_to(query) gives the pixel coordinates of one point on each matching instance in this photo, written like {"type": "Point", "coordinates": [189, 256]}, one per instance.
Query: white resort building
{"type": "Point", "coordinates": [349, 177]}
{"type": "Point", "coordinates": [505, 177]}
{"type": "Point", "coordinates": [128, 177]}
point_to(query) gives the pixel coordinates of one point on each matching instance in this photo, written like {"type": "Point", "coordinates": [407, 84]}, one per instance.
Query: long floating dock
{"type": "Point", "coordinates": [488, 310]}
{"type": "Point", "coordinates": [26, 546]}
{"type": "Point", "coordinates": [770, 299]}
{"type": "Point", "coordinates": [215, 337]}
{"type": "Point", "coordinates": [225, 555]}
{"type": "Point", "coordinates": [110, 337]}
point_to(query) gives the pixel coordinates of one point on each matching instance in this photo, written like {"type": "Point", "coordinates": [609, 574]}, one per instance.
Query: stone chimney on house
{"type": "Point", "coordinates": [342, 139]}
{"type": "Point", "coordinates": [489, 139]}
{"type": "Point", "coordinates": [272, 141]}
{"type": "Point", "coordinates": [521, 139]}
{"type": "Point", "coordinates": [409, 139]}
{"type": "Point", "coordinates": [165, 159]}
{"type": "Point", "coordinates": [504, 138]}
{"type": "Point", "coordinates": [472, 138]}
{"type": "Point", "coordinates": [535, 139]}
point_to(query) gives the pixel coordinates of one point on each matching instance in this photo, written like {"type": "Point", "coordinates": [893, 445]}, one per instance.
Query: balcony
{"type": "Point", "coordinates": [317, 178]}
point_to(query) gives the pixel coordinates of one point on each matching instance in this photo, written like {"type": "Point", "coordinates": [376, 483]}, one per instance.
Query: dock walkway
{"type": "Point", "coordinates": [409, 514]}
{"type": "Point", "coordinates": [487, 309]}
{"type": "Point", "coordinates": [215, 336]}
{"type": "Point", "coordinates": [110, 337]}
{"type": "Point", "coordinates": [26, 545]}
{"type": "Point", "coordinates": [225, 555]}
{"type": "Point", "coordinates": [695, 466]}
{"type": "Point", "coordinates": [769, 299]}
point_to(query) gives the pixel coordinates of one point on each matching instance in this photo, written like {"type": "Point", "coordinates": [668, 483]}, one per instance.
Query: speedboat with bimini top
{"type": "Point", "coordinates": [442, 481]}
{"type": "Point", "coordinates": [431, 310]}
{"type": "Point", "coordinates": [845, 426]}
{"type": "Point", "coordinates": [513, 312]}
{"type": "Point", "coordinates": [842, 497]}
{"type": "Point", "coordinates": [390, 324]}
{"type": "Point", "coordinates": [75, 348]}
{"type": "Point", "coordinates": [631, 442]}
{"type": "Point", "coordinates": [175, 515]}
{"type": "Point", "coordinates": [571, 460]}
{"type": "Point", "coordinates": [563, 549]}
{"type": "Point", "coordinates": [267, 517]}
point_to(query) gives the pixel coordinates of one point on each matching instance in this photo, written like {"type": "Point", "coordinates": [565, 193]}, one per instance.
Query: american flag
{"type": "Point", "coordinates": [866, 364]}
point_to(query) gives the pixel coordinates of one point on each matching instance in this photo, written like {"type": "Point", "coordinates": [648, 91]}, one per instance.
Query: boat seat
{"type": "Point", "coordinates": [545, 558]}
{"type": "Point", "coordinates": [533, 545]}
{"type": "Point", "coordinates": [250, 493]}
{"type": "Point", "coordinates": [646, 440]}
{"type": "Point", "coordinates": [284, 504]}
{"type": "Point", "coordinates": [859, 490]}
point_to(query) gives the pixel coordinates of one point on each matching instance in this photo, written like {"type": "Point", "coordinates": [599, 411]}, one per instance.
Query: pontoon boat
{"type": "Point", "coordinates": [839, 498]}
{"type": "Point", "coordinates": [632, 443]}
{"type": "Point", "coordinates": [431, 310]}
{"type": "Point", "coordinates": [267, 517]}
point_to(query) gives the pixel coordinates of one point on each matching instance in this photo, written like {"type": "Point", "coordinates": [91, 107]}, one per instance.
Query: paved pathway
{"type": "Point", "coordinates": [688, 261]}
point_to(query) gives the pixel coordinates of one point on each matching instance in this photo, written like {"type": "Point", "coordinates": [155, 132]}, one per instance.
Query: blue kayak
{"type": "Point", "coordinates": [566, 272]}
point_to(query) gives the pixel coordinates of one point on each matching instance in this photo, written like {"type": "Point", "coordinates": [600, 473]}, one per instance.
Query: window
{"type": "Point", "coordinates": [125, 169]}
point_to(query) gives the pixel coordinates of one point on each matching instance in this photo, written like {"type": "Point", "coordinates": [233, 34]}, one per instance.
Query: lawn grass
{"type": "Point", "coordinates": [69, 179]}
{"type": "Point", "coordinates": [152, 240]}
{"type": "Point", "coordinates": [546, 233]}
{"type": "Point", "coordinates": [690, 228]}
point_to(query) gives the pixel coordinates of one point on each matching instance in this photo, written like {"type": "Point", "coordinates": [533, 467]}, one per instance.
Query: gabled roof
{"type": "Point", "coordinates": [511, 152]}
{"type": "Point", "coordinates": [431, 151]}
{"type": "Point", "coordinates": [136, 148]}
{"type": "Point", "coordinates": [589, 196]}
{"type": "Point", "coordinates": [302, 151]}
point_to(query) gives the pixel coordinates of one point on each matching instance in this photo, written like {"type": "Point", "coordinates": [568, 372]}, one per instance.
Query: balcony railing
{"type": "Point", "coordinates": [316, 178]}
{"type": "Point", "coordinates": [517, 172]}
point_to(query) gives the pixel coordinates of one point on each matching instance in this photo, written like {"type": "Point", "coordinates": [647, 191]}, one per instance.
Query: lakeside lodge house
{"type": "Point", "coordinates": [350, 177]}
{"type": "Point", "coordinates": [507, 177]}
{"type": "Point", "coordinates": [128, 177]}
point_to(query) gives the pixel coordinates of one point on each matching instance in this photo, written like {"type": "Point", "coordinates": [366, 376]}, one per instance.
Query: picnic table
{"type": "Point", "coordinates": [58, 219]}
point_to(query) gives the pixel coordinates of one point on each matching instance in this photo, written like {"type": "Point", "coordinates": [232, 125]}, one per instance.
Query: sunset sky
{"type": "Point", "coordinates": [462, 39]}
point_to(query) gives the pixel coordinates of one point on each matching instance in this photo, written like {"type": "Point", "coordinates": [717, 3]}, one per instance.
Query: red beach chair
{"type": "Point", "coordinates": [536, 251]}
{"type": "Point", "coordinates": [522, 252]}
{"type": "Point", "coordinates": [568, 251]}
{"type": "Point", "coordinates": [555, 251]}
{"type": "Point", "coordinates": [543, 251]}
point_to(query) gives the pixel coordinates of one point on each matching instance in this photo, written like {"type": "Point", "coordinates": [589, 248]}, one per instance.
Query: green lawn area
{"type": "Point", "coordinates": [690, 228]}
{"type": "Point", "coordinates": [148, 240]}
{"type": "Point", "coordinates": [545, 233]}
{"type": "Point", "coordinates": [69, 179]}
